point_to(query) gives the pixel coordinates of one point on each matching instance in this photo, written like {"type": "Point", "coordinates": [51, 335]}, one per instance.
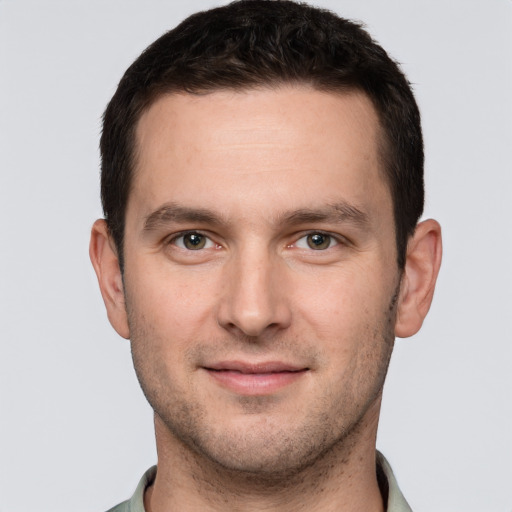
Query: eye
{"type": "Point", "coordinates": [316, 241]}
{"type": "Point", "coordinates": [193, 241]}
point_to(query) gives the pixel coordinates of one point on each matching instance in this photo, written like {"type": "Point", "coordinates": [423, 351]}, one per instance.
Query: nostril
{"type": "Point", "coordinates": [253, 303]}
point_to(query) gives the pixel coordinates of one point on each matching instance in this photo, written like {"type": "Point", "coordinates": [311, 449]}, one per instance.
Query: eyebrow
{"type": "Point", "coordinates": [172, 212]}
{"type": "Point", "coordinates": [340, 212]}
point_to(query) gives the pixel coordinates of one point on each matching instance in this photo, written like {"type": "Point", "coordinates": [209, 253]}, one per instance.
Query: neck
{"type": "Point", "coordinates": [343, 478]}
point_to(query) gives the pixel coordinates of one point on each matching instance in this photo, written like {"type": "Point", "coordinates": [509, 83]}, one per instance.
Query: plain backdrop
{"type": "Point", "coordinates": [76, 433]}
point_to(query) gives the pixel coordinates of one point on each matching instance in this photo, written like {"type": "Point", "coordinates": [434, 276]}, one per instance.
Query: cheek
{"type": "Point", "coordinates": [347, 311]}
{"type": "Point", "coordinates": [166, 294]}
{"type": "Point", "coordinates": [337, 297]}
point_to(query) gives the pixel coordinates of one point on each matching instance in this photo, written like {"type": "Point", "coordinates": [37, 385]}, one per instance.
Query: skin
{"type": "Point", "coordinates": [262, 357]}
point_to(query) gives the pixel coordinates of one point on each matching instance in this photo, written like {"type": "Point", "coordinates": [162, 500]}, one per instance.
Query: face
{"type": "Point", "coordinates": [260, 272]}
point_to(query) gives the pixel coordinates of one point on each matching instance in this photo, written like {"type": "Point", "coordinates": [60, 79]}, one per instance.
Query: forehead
{"type": "Point", "coordinates": [267, 144]}
{"type": "Point", "coordinates": [269, 110]}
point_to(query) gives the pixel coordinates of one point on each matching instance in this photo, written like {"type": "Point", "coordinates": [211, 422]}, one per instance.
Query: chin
{"type": "Point", "coordinates": [262, 448]}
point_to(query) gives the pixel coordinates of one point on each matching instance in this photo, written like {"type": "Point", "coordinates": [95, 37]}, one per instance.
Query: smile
{"type": "Point", "coordinates": [254, 379]}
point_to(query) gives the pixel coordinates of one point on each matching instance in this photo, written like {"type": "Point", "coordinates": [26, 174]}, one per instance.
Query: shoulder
{"type": "Point", "coordinates": [136, 502]}
{"type": "Point", "coordinates": [122, 507]}
{"type": "Point", "coordinates": [389, 487]}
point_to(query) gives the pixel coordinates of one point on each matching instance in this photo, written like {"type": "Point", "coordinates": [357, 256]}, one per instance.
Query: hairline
{"type": "Point", "coordinates": [382, 140]}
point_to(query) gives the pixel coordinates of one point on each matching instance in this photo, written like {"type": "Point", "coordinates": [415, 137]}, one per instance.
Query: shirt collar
{"type": "Point", "coordinates": [387, 482]}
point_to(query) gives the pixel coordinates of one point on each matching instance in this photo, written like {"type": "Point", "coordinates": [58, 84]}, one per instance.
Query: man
{"type": "Point", "coordinates": [262, 182]}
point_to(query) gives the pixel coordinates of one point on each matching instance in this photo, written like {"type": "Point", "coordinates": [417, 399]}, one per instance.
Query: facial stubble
{"type": "Point", "coordinates": [270, 452]}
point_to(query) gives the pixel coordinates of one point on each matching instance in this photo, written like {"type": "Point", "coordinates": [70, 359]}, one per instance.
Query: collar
{"type": "Point", "coordinates": [387, 483]}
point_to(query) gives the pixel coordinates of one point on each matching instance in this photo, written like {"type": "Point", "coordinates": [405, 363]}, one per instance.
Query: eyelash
{"type": "Point", "coordinates": [182, 235]}
{"type": "Point", "coordinates": [333, 241]}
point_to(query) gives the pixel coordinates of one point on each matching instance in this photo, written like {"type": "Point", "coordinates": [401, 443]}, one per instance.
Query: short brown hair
{"type": "Point", "coordinates": [251, 43]}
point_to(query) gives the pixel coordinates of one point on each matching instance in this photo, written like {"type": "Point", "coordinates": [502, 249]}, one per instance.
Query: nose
{"type": "Point", "coordinates": [255, 299]}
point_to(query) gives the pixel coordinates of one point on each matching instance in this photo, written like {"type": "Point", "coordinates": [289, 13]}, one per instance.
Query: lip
{"type": "Point", "coordinates": [252, 379]}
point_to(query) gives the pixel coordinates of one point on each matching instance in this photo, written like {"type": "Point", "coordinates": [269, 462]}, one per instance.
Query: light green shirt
{"type": "Point", "coordinates": [387, 483]}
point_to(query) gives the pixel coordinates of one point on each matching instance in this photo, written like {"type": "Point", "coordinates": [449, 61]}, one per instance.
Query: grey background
{"type": "Point", "coordinates": [75, 430]}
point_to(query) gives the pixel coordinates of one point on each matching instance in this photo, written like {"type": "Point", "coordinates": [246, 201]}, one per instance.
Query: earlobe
{"type": "Point", "coordinates": [105, 261]}
{"type": "Point", "coordinates": [424, 252]}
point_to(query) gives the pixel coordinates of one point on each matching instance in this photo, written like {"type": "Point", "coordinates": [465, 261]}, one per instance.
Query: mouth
{"type": "Point", "coordinates": [254, 379]}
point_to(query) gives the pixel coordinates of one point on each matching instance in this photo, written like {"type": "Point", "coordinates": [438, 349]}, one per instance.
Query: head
{"type": "Point", "coordinates": [262, 181]}
{"type": "Point", "coordinates": [252, 44]}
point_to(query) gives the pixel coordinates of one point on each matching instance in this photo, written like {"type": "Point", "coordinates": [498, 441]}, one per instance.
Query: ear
{"type": "Point", "coordinates": [423, 260]}
{"type": "Point", "coordinates": [103, 254]}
